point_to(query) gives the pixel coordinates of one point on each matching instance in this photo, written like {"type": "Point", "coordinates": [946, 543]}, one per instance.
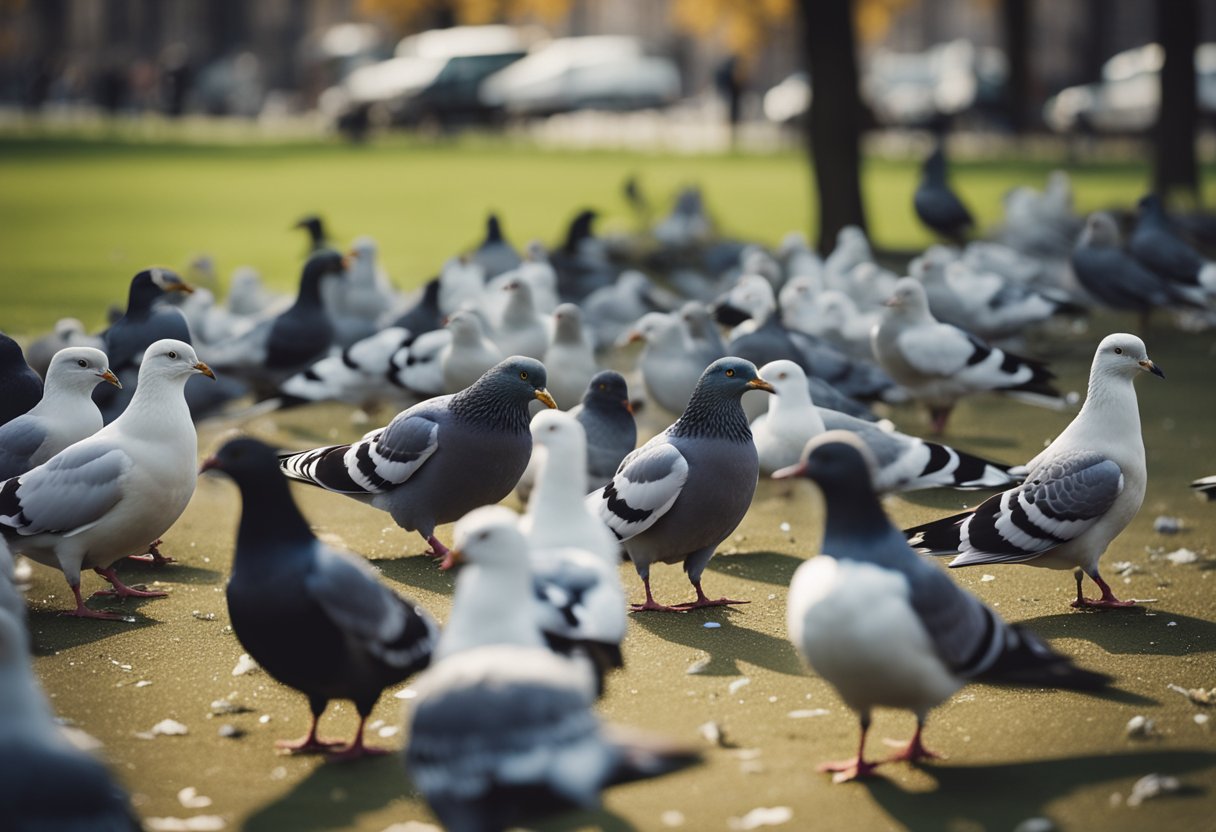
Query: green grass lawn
{"type": "Point", "coordinates": [80, 217]}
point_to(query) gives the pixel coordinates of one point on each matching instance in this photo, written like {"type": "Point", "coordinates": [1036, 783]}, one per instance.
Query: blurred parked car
{"type": "Point", "coordinates": [1128, 96]}
{"type": "Point", "coordinates": [603, 71]}
{"type": "Point", "coordinates": [433, 78]}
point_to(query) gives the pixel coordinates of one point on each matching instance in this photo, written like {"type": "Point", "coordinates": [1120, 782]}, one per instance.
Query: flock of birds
{"type": "Point", "coordinates": [770, 363]}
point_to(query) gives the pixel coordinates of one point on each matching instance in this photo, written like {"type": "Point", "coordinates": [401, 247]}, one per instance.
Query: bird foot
{"type": "Point", "coordinates": [708, 602]}
{"type": "Point", "coordinates": [1109, 603]}
{"type": "Point", "coordinates": [910, 752]}
{"type": "Point", "coordinates": [846, 770]}
{"type": "Point", "coordinates": [357, 751]}
{"type": "Point", "coordinates": [309, 745]}
{"type": "Point", "coordinates": [653, 606]}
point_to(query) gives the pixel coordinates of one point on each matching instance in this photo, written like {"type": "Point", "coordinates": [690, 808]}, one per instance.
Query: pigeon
{"type": "Point", "coordinates": [418, 367]}
{"type": "Point", "coordinates": [799, 259]}
{"type": "Point", "coordinates": [681, 494]}
{"type": "Point", "coordinates": [1156, 244]}
{"type": "Point", "coordinates": [106, 496]}
{"type": "Point", "coordinates": [1079, 493]}
{"type": "Point", "coordinates": [441, 458]}
{"type": "Point", "coordinates": [356, 375]}
{"type": "Point", "coordinates": [314, 225]}
{"type": "Point", "coordinates": [610, 311]}
{"type": "Point", "coordinates": [425, 314]}
{"type": "Point", "coordinates": [521, 330]}
{"type": "Point", "coordinates": [574, 558]}
{"type": "Point", "coordinates": [146, 321]}
{"type": "Point", "coordinates": [461, 283]}
{"type": "Point", "coordinates": [248, 298]}
{"type": "Point", "coordinates": [501, 729]}
{"type": "Point", "coordinates": [1118, 280]}
{"type": "Point", "coordinates": [887, 629]}
{"type": "Point", "coordinates": [46, 782]}
{"type": "Point", "coordinates": [65, 415]}
{"type": "Point", "coordinates": [315, 618]}
{"type": "Point", "coordinates": [852, 249]}
{"type": "Point", "coordinates": [938, 207]}
{"type": "Point", "coordinates": [20, 386]}
{"type": "Point", "coordinates": [940, 363]}
{"type": "Point", "coordinates": [537, 272]}
{"type": "Point", "coordinates": [606, 415]}
{"type": "Point", "coordinates": [1206, 486]}
{"type": "Point", "coordinates": [275, 349]}
{"type": "Point", "coordinates": [688, 225]}
{"type": "Point", "coordinates": [570, 358]}
{"type": "Point", "coordinates": [902, 462]}
{"type": "Point", "coordinates": [670, 366]}
{"type": "Point", "coordinates": [68, 332]}
{"type": "Point", "coordinates": [495, 255]}
{"type": "Point", "coordinates": [356, 304]}
{"type": "Point", "coordinates": [469, 354]}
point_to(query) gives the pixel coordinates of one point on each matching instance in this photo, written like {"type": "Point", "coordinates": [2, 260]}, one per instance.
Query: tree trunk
{"type": "Point", "coordinates": [1015, 26]}
{"type": "Point", "coordinates": [1174, 165]}
{"type": "Point", "coordinates": [834, 126]}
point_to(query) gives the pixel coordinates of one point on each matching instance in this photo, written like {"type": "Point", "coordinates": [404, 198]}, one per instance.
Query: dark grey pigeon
{"type": "Point", "coordinates": [441, 458]}
{"type": "Point", "coordinates": [315, 228]}
{"type": "Point", "coordinates": [495, 254]}
{"type": "Point", "coordinates": [316, 619]}
{"type": "Point", "coordinates": [580, 262]}
{"type": "Point", "coordinates": [937, 206]}
{"type": "Point", "coordinates": [1155, 243]}
{"type": "Point", "coordinates": [1118, 280]}
{"type": "Point", "coordinates": [20, 386]}
{"type": "Point", "coordinates": [46, 783]}
{"type": "Point", "coordinates": [677, 497]}
{"type": "Point", "coordinates": [502, 730]}
{"type": "Point", "coordinates": [423, 316]}
{"type": "Point", "coordinates": [888, 629]}
{"type": "Point", "coordinates": [607, 418]}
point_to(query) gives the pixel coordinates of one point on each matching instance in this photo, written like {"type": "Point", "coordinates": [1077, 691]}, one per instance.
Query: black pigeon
{"type": "Point", "coordinates": [423, 316]}
{"type": "Point", "coordinates": [20, 386]}
{"type": "Point", "coordinates": [607, 419]}
{"type": "Point", "coordinates": [315, 226]}
{"type": "Point", "coordinates": [495, 254]}
{"type": "Point", "coordinates": [937, 206]}
{"type": "Point", "coordinates": [317, 619]}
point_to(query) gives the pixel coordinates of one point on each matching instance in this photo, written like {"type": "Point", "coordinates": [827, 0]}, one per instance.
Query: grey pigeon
{"type": "Point", "coordinates": [677, 497]}
{"type": "Point", "coordinates": [1079, 493]}
{"type": "Point", "coordinates": [315, 618]}
{"type": "Point", "coordinates": [607, 418]}
{"type": "Point", "coordinates": [1118, 280]}
{"type": "Point", "coordinates": [937, 206]}
{"type": "Point", "coordinates": [495, 255]}
{"type": "Point", "coordinates": [65, 415]}
{"type": "Point", "coordinates": [502, 730]}
{"type": "Point", "coordinates": [108, 495]}
{"type": "Point", "coordinates": [46, 783]}
{"type": "Point", "coordinates": [441, 458]}
{"type": "Point", "coordinates": [887, 629]}
{"type": "Point", "coordinates": [1155, 243]}
{"type": "Point", "coordinates": [424, 315]}
{"type": "Point", "coordinates": [20, 386]}
{"type": "Point", "coordinates": [469, 354]}
{"type": "Point", "coordinates": [671, 363]}
{"type": "Point", "coordinates": [521, 329]}
{"type": "Point", "coordinates": [570, 357]}
{"type": "Point", "coordinates": [939, 363]}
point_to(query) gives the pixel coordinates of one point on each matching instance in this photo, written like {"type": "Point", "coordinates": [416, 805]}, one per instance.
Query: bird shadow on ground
{"type": "Point", "coordinates": [1125, 631]}
{"type": "Point", "coordinates": [52, 631]}
{"type": "Point", "coordinates": [948, 500]}
{"type": "Point", "coordinates": [764, 567]}
{"type": "Point", "coordinates": [174, 573]}
{"type": "Point", "coordinates": [418, 571]}
{"type": "Point", "coordinates": [602, 820]}
{"type": "Point", "coordinates": [996, 793]}
{"type": "Point", "coordinates": [726, 645]}
{"type": "Point", "coordinates": [334, 795]}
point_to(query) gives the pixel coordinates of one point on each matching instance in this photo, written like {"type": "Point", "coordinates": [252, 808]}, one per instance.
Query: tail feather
{"type": "Point", "coordinates": [940, 537]}
{"type": "Point", "coordinates": [642, 756]}
{"type": "Point", "coordinates": [322, 467]}
{"type": "Point", "coordinates": [1027, 660]}
{"type": "Point", "coordinates": [969, 471]}
{"type": "Point", "coordinates": [1206, 486]}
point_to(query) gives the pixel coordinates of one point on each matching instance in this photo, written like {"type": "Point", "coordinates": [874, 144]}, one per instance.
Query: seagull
{"type": "Point", "coordinates": [461, 282]}
{"type": "Point", "coordinates": [937, 206]}
{"type": "Point", "coordinates": [48, 783]}
{"type": "Point", "coordinates": [887, 629]}
{"type": "Point", "coordinates": [1079, 493]}
{"type": "Point", "coordinates": [939, 363]}
{"type": "Point", "coordinates": [681, 494]}
{"type": "Point", "coordinates": [521, 330]}
{"type": "Point", "coordinates": [65, 415]}
{"type": "Point", "coordinates": [570, 358]}
{"type": "Point", "coordinates": [606, 415]}
{"type": "Point", "coordinates": [356, 304]}
{"type": "Point", "coordinates": [469, 354]}
{"type": "Point", "coordinates": [501, 729]}
{"type": "Point", "coordinates": [441, 458]}
{"type": "Point", "coordinates": [902, 462]}
{"type": "Point", "coordinates": [20, 386]}
{"type": "Point", "coordinates": [670, 366]}
{"type": "Point", "coordinates": [315, 618]}
{"type": "Point", "coordinates": [106, 496]}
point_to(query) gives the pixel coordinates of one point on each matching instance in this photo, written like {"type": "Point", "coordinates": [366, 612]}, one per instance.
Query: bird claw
{"type": "Point", "coordinates": [846, 770]}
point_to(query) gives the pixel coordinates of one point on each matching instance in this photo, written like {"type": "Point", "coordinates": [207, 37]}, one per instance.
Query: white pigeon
{"type": "Point", "coordinates": [469, 353]}
{"type": "Point", "coordinates": [570, 357]}
{"type": "Point", "coordinates": [887, 629]}
{"type": "Point", "coordinates": [537, 272]}
{"type": "Point", "coordinates": [939, 363]}
{"type": "Point", "coordinates": [65, 414]}
{"type": "Point", "coordinates": [983, 302]}
{"type": "Point", "coordinates": [1079, 493]}
{"type": "Point", "coordinates": [520, 330]}
{"type": "Point", "coordinates": [461, 283]}
{"type": "Point", "coordinates": [852, 249]}
{"type": "Point", "coordinates": [902, 462]}
{"type": "Point", "coordinates": [368, 293]}
{"type": "Point", "coordinates": [846, 327]}
{"type": "Point", "coordinates": [670, 370]}
{"type": "Point", "coordinates": [108, 495]}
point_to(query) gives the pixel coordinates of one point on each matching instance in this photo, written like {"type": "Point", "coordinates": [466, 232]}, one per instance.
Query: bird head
{"type": "Point", "coordinates": [243, 459]}
{"type": "Point", "coordinates": [608, 387]}
{"type": "Point", "coordinates": [1124, 354]}
{"type": "Point", "coordinates": [170, 358]}
{"type": "Point", "coordinates": [785, 376]}
{"type": "Point", "coordinates": [559, 433]}
{"type": "Point", "coordinates": [908, 296]}
{"type": "Point", "coordinates": [488, 537]}
{"type": "Point", "coordinates": [80, 368]}
{"type": "Point", "coordinates": [836, 461]}
{"type": "Point", "coordinates": [731, 377]}
{"type": "Point", "coordinates": [519, 377]}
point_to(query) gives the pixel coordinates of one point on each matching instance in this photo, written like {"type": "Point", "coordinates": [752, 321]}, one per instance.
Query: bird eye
{"type": "Point", "coordinates": [603, 386]}
{"type": "Point", "coordinates": [523, 374]}
{"type": "Point", "coordinates": [482, 535]}
{"type": "Point", "coordinates": [1118, 350]}
{"type": "Point", "coordinates": [82, 362]}
{"type": "Point", "coordinates": [730, 373]}
{"type": "Point", "coordinates": [172, 354]}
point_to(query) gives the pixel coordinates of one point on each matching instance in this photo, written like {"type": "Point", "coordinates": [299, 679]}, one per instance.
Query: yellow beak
{"type": "Point", "coordinates": [204, 369]}
{"type": "Point", "coordinates": [544, 396]}
{"type": "Point", "coordinates": [108, 375]}
{"type": "Point", "coordinates": [760, 384]}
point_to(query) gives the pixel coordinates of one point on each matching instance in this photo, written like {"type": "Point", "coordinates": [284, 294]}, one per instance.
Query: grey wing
{"type": "Point", "coordinates": [887, 447]}
{"type": "Point", "coordinates": [644, 488]}
{"type": "Point", "coordinates": [67, 494]}
{"type": "Point", "coordinates": [1060, 500]}
{"type": "Point", "coordinates": [20, 439]}
{"type": "Point", "coordinates": [373, 617]}
{"type": "Point", "coordinates": [393, 455]}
